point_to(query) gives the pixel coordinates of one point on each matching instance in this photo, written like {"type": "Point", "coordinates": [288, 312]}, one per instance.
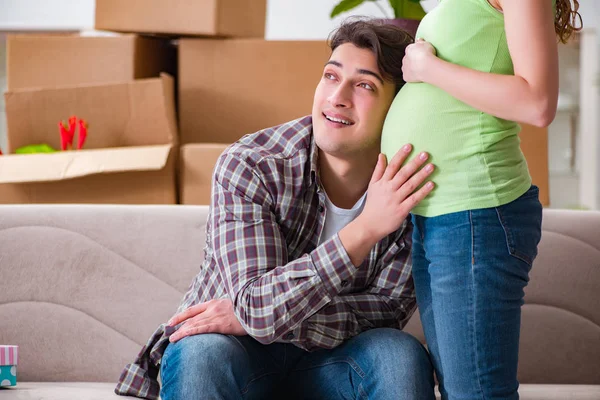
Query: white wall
{"type": "Point", "coordinates": [286, 19]}
{"type": "Point", "coordinates": [590, 11]}
{"type": "Point", "coordinates": [18, 15]}
{"type": "Point", "coordinates": [309, 19]}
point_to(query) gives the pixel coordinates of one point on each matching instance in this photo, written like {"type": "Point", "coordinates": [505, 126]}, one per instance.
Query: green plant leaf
{"type": "Point", "coordinates": [396, 6]}
{"type": "Point", "coordinates": [345, 5]}
{"type": "Point", "coordinates": [411, 9]}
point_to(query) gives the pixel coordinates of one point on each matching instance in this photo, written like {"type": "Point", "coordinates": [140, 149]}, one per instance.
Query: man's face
{"type": "Point", "coordinates": [350, 103]}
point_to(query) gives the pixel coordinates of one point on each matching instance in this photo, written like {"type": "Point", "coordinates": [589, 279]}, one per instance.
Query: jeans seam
{"type": "Point", "coordinates": [472, 237]}
{"type": "Point", "coordinates": [473, 295]}
{"type": "Point", "coordinates": [509, 240]}
{"type": "Point", "coordinates": [254, 379]}
{"type": "Point", "coordinates": [347, 360]}
{"type": "Point", "coordinates": [235, 339]}
{"type": "Point", "coordinates": [361, 393]}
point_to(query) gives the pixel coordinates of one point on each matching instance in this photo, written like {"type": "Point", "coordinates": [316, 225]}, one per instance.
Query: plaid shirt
{"type": "Point", "coordinates": [262, 252]}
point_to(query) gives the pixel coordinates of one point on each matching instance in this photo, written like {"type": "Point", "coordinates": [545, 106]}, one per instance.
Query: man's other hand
{"type": "Point", "coordinates": [214, 316]}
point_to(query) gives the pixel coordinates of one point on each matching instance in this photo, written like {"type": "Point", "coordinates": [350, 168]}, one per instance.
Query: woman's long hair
{"type": "Point", "coordinates": [567, 20]}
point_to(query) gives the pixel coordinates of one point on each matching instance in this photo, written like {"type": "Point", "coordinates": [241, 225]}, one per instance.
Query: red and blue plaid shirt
{"type": "Point", "coordinates": [262, 252]}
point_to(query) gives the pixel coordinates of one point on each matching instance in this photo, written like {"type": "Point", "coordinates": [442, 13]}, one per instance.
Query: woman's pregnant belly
{"type": "Point", "coordinates": [463, 143]}
{"type": "Point", "coordinates": [432, 121]}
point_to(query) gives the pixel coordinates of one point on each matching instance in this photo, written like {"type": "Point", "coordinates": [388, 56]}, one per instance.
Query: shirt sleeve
{"type": "Point", "coordinates": [272, 296]}
{"type": "Point", "coordinates": [388, 302]}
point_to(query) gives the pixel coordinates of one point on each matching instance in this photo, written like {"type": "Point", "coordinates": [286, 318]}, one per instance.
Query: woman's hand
{"type": "Point", "coordinates": [417, 59]}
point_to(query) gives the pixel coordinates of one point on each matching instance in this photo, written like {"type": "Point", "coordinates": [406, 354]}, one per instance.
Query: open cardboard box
{"type": "Point", "coordinates": [128, 156]}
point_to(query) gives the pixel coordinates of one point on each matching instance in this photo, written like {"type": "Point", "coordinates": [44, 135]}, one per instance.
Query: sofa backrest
{"type": "Point", "coordinates": [82, 287]}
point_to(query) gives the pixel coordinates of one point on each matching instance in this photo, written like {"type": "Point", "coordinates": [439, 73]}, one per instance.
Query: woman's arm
{"type": "Point", "coordinates": [530, 95]}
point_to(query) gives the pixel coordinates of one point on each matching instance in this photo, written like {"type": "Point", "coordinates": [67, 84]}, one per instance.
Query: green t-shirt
{"type": "Point", "coordinates": [478, 158]}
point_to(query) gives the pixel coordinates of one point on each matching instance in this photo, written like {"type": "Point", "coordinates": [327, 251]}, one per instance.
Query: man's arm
{"type": "Point", "coordinates": [388, 302]}
{"type": "Point", "coordinates": [272, 296]}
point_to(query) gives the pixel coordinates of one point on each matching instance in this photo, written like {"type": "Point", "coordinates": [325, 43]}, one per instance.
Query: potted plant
{"type": "Point", "coordinates": [407, 13]}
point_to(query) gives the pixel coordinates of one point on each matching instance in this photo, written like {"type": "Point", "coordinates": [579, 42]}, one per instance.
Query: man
{"type": "Point", "coordinates": [306, 282]}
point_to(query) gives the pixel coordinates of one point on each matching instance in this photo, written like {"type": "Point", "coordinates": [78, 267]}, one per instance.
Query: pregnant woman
{"type": "Point", "coordinates": [478, 68]}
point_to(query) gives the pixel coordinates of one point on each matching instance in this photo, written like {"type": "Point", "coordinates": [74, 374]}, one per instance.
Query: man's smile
{"type": "Point", "coordinates": [338, 119]}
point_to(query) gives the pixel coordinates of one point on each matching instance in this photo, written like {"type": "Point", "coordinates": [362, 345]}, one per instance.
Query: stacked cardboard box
{"type": "Point", "coordinates": [112, 81]}
{"type": "Point", "coordinates": [230, 82]}
{"type": "Point", "coordinates": [534, 144]}
{"type": "Point", "coordinates": [228, 88]}
{"type": "Point", "coordinates": [197, 162]}
{"type": "Point", "coordinates": [225, 18]}
{"type": "Point", "coordinates": [35, 61]}
{"type": "Point", "coordinates": [232, 87]}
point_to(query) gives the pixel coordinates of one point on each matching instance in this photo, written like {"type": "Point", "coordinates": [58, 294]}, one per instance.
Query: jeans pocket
{"type": "Point", "coordinates": [521, 220]}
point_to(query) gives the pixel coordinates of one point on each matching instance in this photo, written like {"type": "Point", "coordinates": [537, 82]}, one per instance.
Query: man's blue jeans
{"type": "Point", "coordinates": [378, 364]}
{"type": "Point", "coordinates": [470, 269]}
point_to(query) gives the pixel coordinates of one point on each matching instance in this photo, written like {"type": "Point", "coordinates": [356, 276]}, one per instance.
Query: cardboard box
{"type": "Point", "coordinates": [8, 365]}
{"type": "Point", "coordinates": [35, 61]}
{"type": "Point", "coordinates": [197, 162]}
{"type": "Point", "coordinates": [128, 156]}
{"type": "Point", "coordinates": [534, 145]}
{"type": "Point", "coordinates": [228, 88]}
{"type": "Point", "coordinates": [235, 18]}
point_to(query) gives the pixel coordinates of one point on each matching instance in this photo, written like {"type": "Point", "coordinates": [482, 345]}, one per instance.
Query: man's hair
{"type": "Point", "coordinates": [388, 42]}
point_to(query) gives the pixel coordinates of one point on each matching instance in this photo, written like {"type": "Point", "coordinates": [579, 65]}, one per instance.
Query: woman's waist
{"type": "Point", "coordinates": [459, 153]}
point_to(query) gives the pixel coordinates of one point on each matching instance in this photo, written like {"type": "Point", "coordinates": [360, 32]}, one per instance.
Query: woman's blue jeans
{"type": "Point", "coordinates": [470, 270]}
{"type": "Point", "coordinates": [380, 364]}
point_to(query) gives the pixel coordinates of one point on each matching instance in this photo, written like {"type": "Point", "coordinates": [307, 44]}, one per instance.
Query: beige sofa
{"type": "Point", "coordinates": [82, 287]}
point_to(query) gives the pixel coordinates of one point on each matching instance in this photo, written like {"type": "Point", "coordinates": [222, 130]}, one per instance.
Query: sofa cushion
{"type": "Point", "coordinates": [102, 391]}
{"type": "Point", "coordinates": [61, 391]}
{"type": "Point", "coordinates": [559, 392]}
